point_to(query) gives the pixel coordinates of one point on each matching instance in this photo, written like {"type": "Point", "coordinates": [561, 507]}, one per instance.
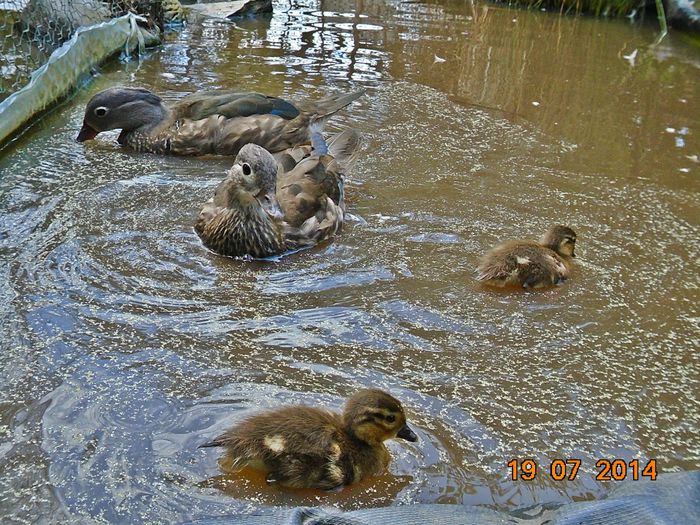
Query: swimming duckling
{"type": "Point", "coordinates": [530, 264]}
{"type": "Point", "coordinates": [207, 122]}
{"type": "Point", "coordinates": [263, 209]}
{"type": "Point", "coordinates": [305, 447]}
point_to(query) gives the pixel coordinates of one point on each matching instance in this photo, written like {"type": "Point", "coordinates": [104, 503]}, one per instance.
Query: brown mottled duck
{"type": "Point", "coordinates": [207, 122]}
{"type": "Point", "coordinates": [265, 207]}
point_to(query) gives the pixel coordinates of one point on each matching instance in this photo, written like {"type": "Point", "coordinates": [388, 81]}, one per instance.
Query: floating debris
{"type": "Point", "coordinates": [631, 57]}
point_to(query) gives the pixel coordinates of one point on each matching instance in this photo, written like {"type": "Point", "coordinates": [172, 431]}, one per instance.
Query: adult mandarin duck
{"type": "Point", "coordinates": [207, 122]}
{"type": "Point", "coordinates": [268, 206]}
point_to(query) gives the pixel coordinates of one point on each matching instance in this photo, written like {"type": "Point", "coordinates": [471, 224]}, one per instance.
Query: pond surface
{"type": "Point", "coordinates": [126, 344]}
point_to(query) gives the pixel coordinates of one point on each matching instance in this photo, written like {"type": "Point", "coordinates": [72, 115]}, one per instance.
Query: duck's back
{"type": "Point", "coordinates": [208, 124]}
{"type": "Point", "coordinates": [222, 123]}
{"type": "Point", "coordinates": [219, 135]}
{"type": "Point", "coordinates": [295, 426]}
{"type": "Point", "coordinates": [522, 263]}
{"type": "Point", "coordinates": [299, 446]}
{"type": "Point", "coordinates": [310, 189]}
{"type": "Point", "coordinates": [231, 104]}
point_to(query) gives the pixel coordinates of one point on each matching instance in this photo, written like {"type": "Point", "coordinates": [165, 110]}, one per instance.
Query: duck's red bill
{"type": "Point", "coordinates": [86, 133]}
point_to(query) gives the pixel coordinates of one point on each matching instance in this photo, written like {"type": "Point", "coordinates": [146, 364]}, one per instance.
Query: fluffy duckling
{"type": "Point", "coordinates": [305, 447]}
{"type": "Point", "coordinates": [264, 208]}
{"type": "Point", "coordinates": [530, 264]}
{"type": "Point", "coordinates": [208, 122]}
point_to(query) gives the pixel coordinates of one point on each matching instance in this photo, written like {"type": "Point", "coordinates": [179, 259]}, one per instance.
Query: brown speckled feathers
{"type": "Point", "coordinates": [307, 193]}
{"type": "Point", "coordinates": [211, 122]}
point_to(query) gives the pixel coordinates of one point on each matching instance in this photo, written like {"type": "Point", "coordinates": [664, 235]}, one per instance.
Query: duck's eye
{"type": "Point", "coordinates": [390, 418]}
{"type": "Point", "coordinates": [101, 111]}
{"type": "Point", "coordinates": [246, 169]}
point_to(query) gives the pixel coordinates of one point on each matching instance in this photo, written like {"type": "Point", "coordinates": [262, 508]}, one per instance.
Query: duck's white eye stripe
{"type": "Point", "coordinates": [101, 111]}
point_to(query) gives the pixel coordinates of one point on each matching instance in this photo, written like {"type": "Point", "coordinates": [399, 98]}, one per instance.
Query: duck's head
{"type": "Point", "coordinates": [252, 180]}
{"type": "Point", "coordinates": [560, 239]}
{"type": "Point", "coordinates": [374, 416]}
{"type": "Point", "coordinates": [122, 108]}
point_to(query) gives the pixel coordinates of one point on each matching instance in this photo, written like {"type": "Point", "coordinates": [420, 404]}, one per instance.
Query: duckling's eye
{"type": "Point", "coordinates": [101, 111]}
{"type": "Point", "coordinates": [390, 418]}
{"type": "Point", "coordinates": [246, 169]}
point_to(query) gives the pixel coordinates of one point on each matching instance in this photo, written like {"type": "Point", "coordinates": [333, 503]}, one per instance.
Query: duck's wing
{"type": "Point", "coordinates": [325, 223]}
{"type": "Point", "coordinates": [244, 104]}
{"type": "Point", "coordinates": [231, 104]}
{"type": "Point", "coordinates": [321, 110]}
{"type": "Point", "coordinates": [310, 186]}
{"type": "Point", "coordinates": [311, 197]}
{"type": "Point", "coordinates": [345, 148]}
{"type": "Point", "coordinates": [288, 159]}
{"type": "Point", "coordinates": [223, 122]}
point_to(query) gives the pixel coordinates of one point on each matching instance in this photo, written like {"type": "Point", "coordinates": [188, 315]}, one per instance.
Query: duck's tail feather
{"type": "Point", "coordinates": [345, 148]}
{"type": "Point", "coordinates": [324, 108]}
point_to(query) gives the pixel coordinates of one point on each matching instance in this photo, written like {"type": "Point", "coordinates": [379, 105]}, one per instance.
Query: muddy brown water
{"type": "Point", "coordinates": [125, 344]}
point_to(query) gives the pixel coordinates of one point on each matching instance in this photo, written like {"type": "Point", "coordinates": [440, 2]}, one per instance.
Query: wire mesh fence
{"type": "Point", "coordinates": [30, 30]}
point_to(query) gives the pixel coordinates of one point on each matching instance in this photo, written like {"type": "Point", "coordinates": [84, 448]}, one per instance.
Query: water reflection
{"type": "Point", "coordinates": [125, 343]}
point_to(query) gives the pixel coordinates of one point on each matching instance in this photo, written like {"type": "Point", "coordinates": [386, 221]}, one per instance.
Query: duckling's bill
{"type": "Point", "coordinates": [407, 434]}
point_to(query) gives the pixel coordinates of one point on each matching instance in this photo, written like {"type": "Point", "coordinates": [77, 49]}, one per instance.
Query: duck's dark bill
{"type": "Point", "coordinates": [407, 434]}
{"type": "Point", "coordinates": [86, 133]}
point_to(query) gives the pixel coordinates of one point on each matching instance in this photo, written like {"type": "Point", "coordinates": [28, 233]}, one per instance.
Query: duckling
{"type": "Point", "coordinates": [207, 122]}
{"type": "Point", "coordinates": [264, 208]}
{"type": "Point", "coordinates": [306, 447]}
{"type": "Point", "coordinates": [530, 264]}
